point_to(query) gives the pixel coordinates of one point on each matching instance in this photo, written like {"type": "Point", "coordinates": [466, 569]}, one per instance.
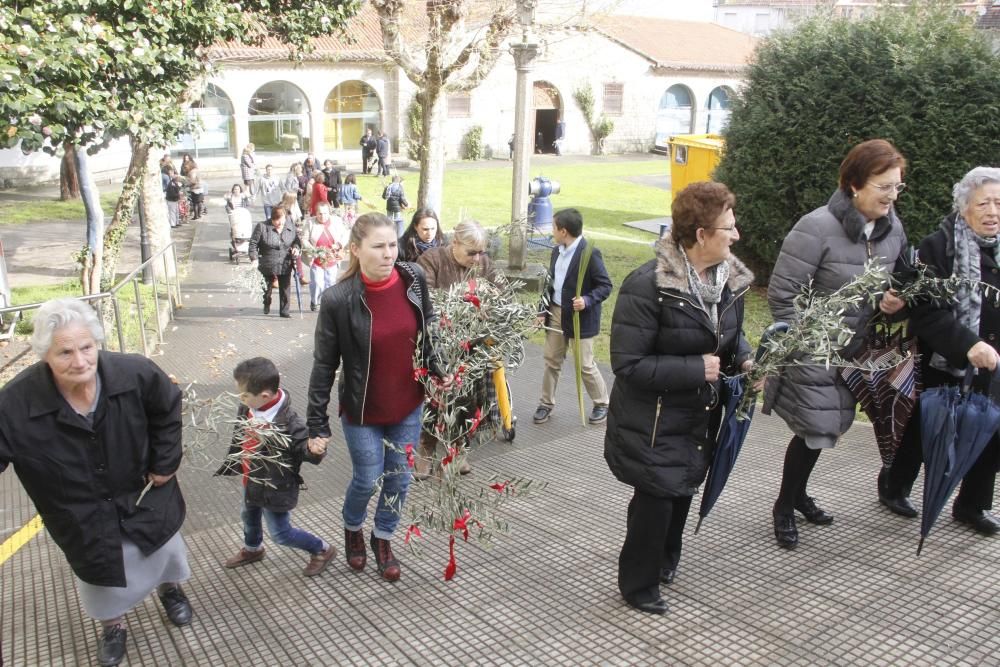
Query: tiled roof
{"type": "Point", "coordinates": [679, 44]}
{"type": "Point", "coordinates": [990, 20]}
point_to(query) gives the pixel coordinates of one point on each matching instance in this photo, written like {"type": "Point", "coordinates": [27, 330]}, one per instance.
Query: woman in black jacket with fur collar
{"type": "Point", "coordinates": [677, 327]}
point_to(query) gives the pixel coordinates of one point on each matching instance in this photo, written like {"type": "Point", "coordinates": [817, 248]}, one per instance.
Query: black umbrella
{"type": "Point", "coordinates": [297, 280]}
{"type": "Point", "coordinates": [732, 432]}
{"type": "Point", "coordinates": [955, 427]}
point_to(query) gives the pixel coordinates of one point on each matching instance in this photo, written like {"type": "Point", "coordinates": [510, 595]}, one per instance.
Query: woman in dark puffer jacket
{"type": "Point", "coordinates": [677, 327]}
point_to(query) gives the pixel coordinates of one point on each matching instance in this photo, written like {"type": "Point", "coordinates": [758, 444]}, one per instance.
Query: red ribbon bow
{"type": "Point", "coordinates": [451, 456]}
{"type": "Point", "coordinates": [414, 530]}
{"type": "Point", "coordinates": [449, 570]}
{"type": "Point", "coordinates": [498, 487]}
{"type": "Point", "coordinates": [476, 419]}
{"type": "Point", "coordinates": [462, 524]}
{"type": "Point", "coordinates": [410, 461]}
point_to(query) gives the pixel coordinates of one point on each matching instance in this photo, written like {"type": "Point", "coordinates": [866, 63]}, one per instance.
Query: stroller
{"type": "Point", "coordinates": [240, 230]}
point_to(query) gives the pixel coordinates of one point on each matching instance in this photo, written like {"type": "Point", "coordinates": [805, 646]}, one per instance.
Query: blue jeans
{"type": "Point", "coordinates": [268, 209]}
{"type": "Point", "coordinates": [374, 461]}
{"type": "Point", "coordinates": [279, 526]}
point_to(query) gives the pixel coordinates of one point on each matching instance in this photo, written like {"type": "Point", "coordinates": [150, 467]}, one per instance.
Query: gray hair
{"type": "Point", "coordinates": [975, 179]}
{"type": "Point", "coordinates": [58, 313]}
{"type": "Point", "coordinates": [470, 233]}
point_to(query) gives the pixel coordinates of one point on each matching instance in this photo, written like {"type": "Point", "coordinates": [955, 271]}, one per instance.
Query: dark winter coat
{"type": "Point", "coordinates": [829, 248]}
{"type": "Point", "coordinates": [368, 144]}
{"type": "Point", "coordinates": [271, 486]}
{"type": "Point", "coordinates": [663, 414]}
{"type": "Point", "coordinates": [343, 336]}
{"type": "Point", "coordinates": [395, 198]}
{"type": "Point", "coordinates": [936, 324]}
{"type": "Point", "coordinates": [85, 481]}
{"type": "Point", "coordinates": [382, 147]}
{"type": "Point", "coordinates": [273, 249]}
{"type": "Point", "coordinates": [596, 289]}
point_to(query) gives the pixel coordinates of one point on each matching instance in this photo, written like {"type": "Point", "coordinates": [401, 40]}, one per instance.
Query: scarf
{"type": "Point", "coordinates": [424, 246]}
{"type": "Point", "coordinates": [708, 294]}
{"type": "Point", "coordinates": [969, 247]}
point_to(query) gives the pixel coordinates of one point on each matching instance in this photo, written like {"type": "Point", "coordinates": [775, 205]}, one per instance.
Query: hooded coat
{"type": "Point", "coordinates": [663, 414]}
{"type": "Point", "coordinates": [828, 249]}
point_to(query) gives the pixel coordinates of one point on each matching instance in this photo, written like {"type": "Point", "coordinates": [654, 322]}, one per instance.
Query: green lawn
{"type": "Point", "coordinates": [16, 212]}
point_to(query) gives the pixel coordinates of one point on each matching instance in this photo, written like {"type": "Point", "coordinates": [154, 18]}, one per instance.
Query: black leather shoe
{"type": "Point", "coordinates": [542, 414]}
{"type": "Point", "coordinates": [267, 309]}
{"type": "Point", "coordinates": [177, 606]}
{"type": "Point", "coordinates": [901, 506]}
{"type": "Point", "coordinates": [285, 315]}
{"type": "Point", "coordinates": [667, 576]}
{"type": "Point", "coordinates": [312, 307]}
{"type": "Point", "coordinates": [785, 531]}
{"type": "Point", "coordinates": [598, 415]}
{"type": "Point", "coordinates": [111, 647]}
{"type": "Point", "coordinates": [813, 514]}
{"type": "Point", "coordinates": [982, 521]}
{"type": "Point", "coordinates": [658, 606]}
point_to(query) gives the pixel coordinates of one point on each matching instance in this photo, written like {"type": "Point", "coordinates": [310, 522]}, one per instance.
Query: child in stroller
{"type": "Point", "coordinates": [240, 230]}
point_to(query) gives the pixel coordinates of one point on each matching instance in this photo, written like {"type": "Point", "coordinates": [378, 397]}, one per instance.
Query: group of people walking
{"type": "Point", "coordinates": [101, 443]}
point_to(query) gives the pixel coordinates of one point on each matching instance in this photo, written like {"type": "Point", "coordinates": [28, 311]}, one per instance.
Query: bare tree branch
{"type": "Point", "coordinates": [390, 19]}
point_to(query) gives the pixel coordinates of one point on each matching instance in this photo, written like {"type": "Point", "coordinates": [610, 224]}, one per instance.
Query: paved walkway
{"type": "Point", "coordinates": [852, 593]}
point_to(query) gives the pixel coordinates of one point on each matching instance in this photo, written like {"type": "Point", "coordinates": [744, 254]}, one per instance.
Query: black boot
{"type": "Point", "coordinates": [785, 531]}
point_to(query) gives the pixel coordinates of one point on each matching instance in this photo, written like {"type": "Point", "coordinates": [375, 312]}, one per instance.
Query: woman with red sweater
{"type": "Point", "coordinates": [370, 322]}
{"type": "Point", "coordinates": [319, 193]}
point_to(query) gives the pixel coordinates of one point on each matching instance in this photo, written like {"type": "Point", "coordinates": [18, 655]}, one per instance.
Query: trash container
{"type": "Point", "coordinates": [693, 157]}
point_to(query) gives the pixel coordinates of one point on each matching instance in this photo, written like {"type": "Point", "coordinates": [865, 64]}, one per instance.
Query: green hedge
{"type": "Point", "coordinates": [921, 77]}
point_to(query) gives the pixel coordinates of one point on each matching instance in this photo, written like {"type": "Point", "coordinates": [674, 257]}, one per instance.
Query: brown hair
{"type": "Point", "coordinates": [277, 213]}
{"type": "Point", "coordinates": [362, 227]}
{"type": "Point", "coordinates": [867, 159]}
{"type": "Point", "coordinates": [696, 207]}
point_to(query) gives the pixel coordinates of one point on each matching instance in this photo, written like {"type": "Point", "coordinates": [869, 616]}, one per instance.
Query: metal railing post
{"type": "Point", "coordinates": [156, 308]}
{"type": "Point", "coordinates": [138, 311]}
{"type": "Point", "coordinates": [119, 328]}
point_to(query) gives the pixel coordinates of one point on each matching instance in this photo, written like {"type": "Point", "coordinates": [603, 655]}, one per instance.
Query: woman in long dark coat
{"type": "Point", "coordinates": [955, 335]}
{"type": "Point", "coordinates": [677, 326]}
{"type": "Point", "coordinates": [275, 245]}
{"type": "Point", "coordinates": [85, 432]}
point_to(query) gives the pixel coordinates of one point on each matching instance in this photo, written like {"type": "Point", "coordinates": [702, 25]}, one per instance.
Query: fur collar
{"type": "Point", "coordinates": [671, 272]}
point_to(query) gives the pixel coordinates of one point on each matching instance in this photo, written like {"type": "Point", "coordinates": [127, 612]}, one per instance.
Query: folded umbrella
{"type": "Point", "coordinates": [956, 424]}
{"type": "Point", "coordinates": [298, 290]}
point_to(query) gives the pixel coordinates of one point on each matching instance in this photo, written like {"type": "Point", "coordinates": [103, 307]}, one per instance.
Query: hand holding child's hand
{"type": "Point", "coordinates": [317, 446]}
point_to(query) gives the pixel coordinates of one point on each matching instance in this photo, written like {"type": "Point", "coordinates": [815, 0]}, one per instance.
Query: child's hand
{"type": "Point", "coordinates": [317, 446]}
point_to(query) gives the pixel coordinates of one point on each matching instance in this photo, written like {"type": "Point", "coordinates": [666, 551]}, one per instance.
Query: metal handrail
{"type": "Point", "coordinates": [173, 301]}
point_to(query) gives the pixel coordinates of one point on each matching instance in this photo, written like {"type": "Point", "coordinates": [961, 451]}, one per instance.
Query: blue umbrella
{"type": "Point", "coordinates": [955, 427]}
{"type": "Point", "coordinates": [727, 446]}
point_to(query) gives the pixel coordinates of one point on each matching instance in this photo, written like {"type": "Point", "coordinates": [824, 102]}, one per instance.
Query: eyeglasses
{"type": "Point", "coordinates": [886, 188]}
{"type": "Point", "coordinates": [474, 253]}
{"type": "Point", "coordinates": [730, 229]}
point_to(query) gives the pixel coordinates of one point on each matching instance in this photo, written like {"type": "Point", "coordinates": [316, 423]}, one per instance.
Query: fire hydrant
{"type": "Point", "coordinates": [540, 206]}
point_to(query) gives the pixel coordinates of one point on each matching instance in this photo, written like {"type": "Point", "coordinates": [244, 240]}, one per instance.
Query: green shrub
{"type": "Point", "coordinates": [472, 144]}
{"type": "Point", "coordinates": [920, 77]}
{"type": "Point", "coordinates": [415, 129]}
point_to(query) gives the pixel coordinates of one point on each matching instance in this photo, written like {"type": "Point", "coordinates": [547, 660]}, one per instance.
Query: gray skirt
{"type": "Point", "coordinates": [143, 574]}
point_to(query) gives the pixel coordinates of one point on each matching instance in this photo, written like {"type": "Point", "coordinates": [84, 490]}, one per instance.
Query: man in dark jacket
{"type": "Point", "coordinates": [566, 298]}
{"type": "Point", "coordinates": [368, 146]}
{"type": "Point", "coordinates": [95, 439]}
{"type": "Point", "coordinates": [382, 149]}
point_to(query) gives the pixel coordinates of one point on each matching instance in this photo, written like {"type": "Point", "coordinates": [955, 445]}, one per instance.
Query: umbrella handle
{"type": "Point", "coordinates": [769, 333]}
{"type": "Point", "coordinates": [970, 374]}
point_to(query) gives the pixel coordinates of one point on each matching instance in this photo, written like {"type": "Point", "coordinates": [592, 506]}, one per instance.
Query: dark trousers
{"type": "Point", "coordinates": [977, 489]}
{"type": "Point", "coordinates": [799, 464]}
{"type": "Point", "coordinates": [652, 544]}
{"type": "Point", "coordinates": [366, 158]}
{"type": "Point", "coordinates": [383, 165]}
{"type": "Point", "coordinates": [284, 289]}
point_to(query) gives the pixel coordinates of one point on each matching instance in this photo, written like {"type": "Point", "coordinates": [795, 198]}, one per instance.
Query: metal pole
{"type": "Point", "coordinates": [144, 251]}
{"type": "Point", "coordinates": [524, 57]}
{"type": "Point", "coordinates": [118, 323]}
{"type": "Point", "coordinates": [156, 309]}
{"type": "Point", "coordinates": [138, 312]}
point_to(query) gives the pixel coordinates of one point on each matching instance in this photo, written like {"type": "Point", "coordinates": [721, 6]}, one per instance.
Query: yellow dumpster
{"type": "Point", "coordinates": [693, 157]}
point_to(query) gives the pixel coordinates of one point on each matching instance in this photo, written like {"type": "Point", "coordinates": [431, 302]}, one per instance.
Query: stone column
{"type": "Point", "coordinates": [524, 59]}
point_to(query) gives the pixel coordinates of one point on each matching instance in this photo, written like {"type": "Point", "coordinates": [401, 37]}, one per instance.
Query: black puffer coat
{"type": "Point", "coordinates": [663, 414]}
{"type": "Point", "coordinates": [343, 335]}
{"type": "Point", "coordinates": [271, 486]}
{"type": "Point", "coordinates": [273, 249]}
{"type": "Point", "coordinates": [84, 480]}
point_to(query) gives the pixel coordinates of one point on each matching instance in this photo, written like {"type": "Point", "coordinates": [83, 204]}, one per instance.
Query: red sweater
{"type": "Point", "coordinates": [392, 391]}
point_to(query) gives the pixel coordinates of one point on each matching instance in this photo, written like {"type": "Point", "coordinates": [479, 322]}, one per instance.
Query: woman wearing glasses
{"type": "Point", "coordinates": [828, 248]}
{"type": "Point", "coordinates": [678, 325]}
{"type": "Point", "coordinates": [466, 254]}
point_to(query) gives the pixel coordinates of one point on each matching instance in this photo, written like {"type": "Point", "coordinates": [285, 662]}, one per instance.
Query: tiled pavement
{"type": "Point", "coordinates": [852, 593]}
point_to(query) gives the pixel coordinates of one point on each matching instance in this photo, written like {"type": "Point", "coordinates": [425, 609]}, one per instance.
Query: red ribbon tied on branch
{"type": "Point", "coordinates": [419, 373]}
{"type": "Point", "coordinates": [500, 488]}
{"type": "Point", "coordinates": [450, 457]}
{"type": "Point", "coordinates": [471, 297]}
{"type": "Point", "coordinates": [476, 419]}
{"type": "Point", "coordinates": [462, 524]}
{"type": "Point", "coordinates": [449, 570]}
{"type": "Point", "coordinates": [410, 461]}
{"type": "Point", "coordinates": [413, 530]}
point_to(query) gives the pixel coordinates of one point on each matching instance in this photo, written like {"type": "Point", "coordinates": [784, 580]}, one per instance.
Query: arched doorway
{"type": "Point", "coordinates": [217, 134]}
{"type": "Point", "coordinates": [675, 114]}
{"type": "Point", "coordinates": [718, 104]}
{"type": "Point", "coordinates": [279, 118]}
{"type": "Point", "coordinates": [549, 125]}
{"type": "Point", "coordinates": [350, 109]}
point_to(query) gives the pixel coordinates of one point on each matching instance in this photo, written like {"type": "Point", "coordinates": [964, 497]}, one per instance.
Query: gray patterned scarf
{"type": "Point", "coordinates": [708, 294]}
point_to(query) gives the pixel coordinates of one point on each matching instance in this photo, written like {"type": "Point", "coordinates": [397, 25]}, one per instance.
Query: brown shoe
{"type": "Point", "coordinates": [465, 468]}
{"type": "Point", "coordinates": [388, 566]}
{"type": "Point", "coordinates": [244, 557]}
{"type": "Point", "coordinates": [354, 549]}
{"type": "Point", "coordinates": [318, 562]}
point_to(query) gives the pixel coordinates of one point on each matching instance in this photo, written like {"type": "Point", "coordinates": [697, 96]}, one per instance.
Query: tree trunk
{"type": "Point", "coordinates": [114, 237]}
{"type": "Point", "coordinates": [69, 183]}
{"type": "Point", "coordinates": [90, 276]}
{"type": "Point", "coordinates": [157, 225]}
{"type": "Point", "coordinates": [432, 161]}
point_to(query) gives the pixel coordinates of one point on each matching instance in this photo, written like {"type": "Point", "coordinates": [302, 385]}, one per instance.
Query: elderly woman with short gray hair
{"type": "Point", "coordinates": [955, 335]}
{"type": "Point", "coordinates": [86, 431]}
{"type": "Point", "coordinates": [465, 254]}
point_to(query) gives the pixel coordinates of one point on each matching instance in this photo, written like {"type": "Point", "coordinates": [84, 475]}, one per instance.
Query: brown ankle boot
{"type": "Point", "coordinates": [388, 566]}
{"type": "Point", "coordinates": [354, 549]}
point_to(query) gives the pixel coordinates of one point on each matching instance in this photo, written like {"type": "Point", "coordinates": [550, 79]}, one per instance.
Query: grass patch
{"type": "Point", "coordinates": [40, 210]}
{"type": "Point", "coordinates": [606, 196]}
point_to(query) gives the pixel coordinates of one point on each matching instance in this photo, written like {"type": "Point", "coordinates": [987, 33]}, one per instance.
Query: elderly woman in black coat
{"type": "Point", "coordinates": [86, 431]}
{"type": "Point", "coordinates": [275, 245]}
{"type": "Point", "coordinates": [955, 335]}
{"type": "Point", "coordinates": [676, 329]}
